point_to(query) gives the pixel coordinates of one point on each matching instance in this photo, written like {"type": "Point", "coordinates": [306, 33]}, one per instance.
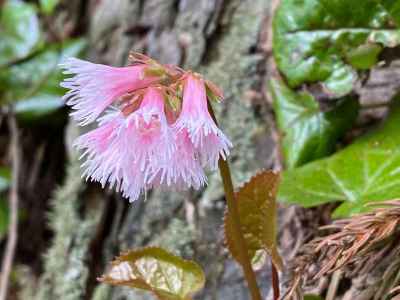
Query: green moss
{"type": "Point", "coordinates": [65, 270]}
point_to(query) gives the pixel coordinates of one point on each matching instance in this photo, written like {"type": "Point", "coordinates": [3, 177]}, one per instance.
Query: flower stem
{"type": "Point", "coordinates": [233, 211]}
{"type": "Point", "coordinates": [240, 242]}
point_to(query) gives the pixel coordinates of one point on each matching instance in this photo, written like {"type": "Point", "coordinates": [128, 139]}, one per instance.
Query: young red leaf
{"type": "Point", "coordinates": [257, 213]}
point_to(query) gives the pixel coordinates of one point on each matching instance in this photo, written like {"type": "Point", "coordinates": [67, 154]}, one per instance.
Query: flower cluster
{"type": "Point", "coordinates": [154, 126]}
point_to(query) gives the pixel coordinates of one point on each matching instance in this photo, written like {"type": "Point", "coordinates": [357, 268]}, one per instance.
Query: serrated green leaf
{"type": "Point", "coordinates": [48, 6]}
{"type": "Point", "coordinates": [19, 31]}
{"type": "Point", "coordinates": [34, 84]}
{"type": "Point", "coordinates": [307, 132]}
{"type": "Point", "coordinates": [5, 178]}
{"type": "Point", "coordinates": [328, 40]}
{"type": "Point", "coordinates": [258, 214]}
{"type": "Point", "coordinates": [4, 218]}
{"type": "Point", "coordinates": [366, 171]}
{"type": "Point", "coordinates": [153, 269]}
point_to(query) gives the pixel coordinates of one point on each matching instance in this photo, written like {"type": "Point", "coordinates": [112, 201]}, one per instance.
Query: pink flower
{"type": "Point", "coordinates": [132, 152]}
{"type": "Point", "coordinates": [182, 170]}
{"type": "Point", "coordinates": [195, 118]}
{"type": "Point", "coordinates": [144, 141]}
{"type": "Point", "coordinates": [95, 86]}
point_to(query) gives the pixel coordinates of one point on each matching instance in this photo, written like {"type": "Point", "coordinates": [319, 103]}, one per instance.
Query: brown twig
{"type": "Point", "coordinates": [333, 286]}
{"type": "Point", "coordinates": [13, 199]}
{"type": "Point", "coordinates": [357, 245]}
{"type": "Point", "coordinates": [275, 281]}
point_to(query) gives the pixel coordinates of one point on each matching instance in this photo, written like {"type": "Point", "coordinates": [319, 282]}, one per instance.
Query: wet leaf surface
{"type": "Point", "coordinates": [366, 171]}
{"type": "Point", "coordinates": [307, 133]}
{"type": "Point", "coordinates": [328, 41]}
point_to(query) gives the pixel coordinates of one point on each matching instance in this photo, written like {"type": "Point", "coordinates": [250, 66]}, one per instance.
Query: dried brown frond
{"type": "Point", "coordinates": [356, 246]}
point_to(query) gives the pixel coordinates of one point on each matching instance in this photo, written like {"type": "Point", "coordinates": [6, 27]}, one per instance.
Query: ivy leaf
{"type": "Point", "coordinates": [34, 84]}
{"type": "Point", "coordinates": [153, 269]}
{"type": "Point", "coordinates": [257, 213]}
{"type": "Point", "coordinates": [366, 171]}
{"type": "Point", "coordinates": [48, 6]}
{"type": "Point", "coordinates": [307, 132]}
{"type": "Point", "coordinates": [19, 31]}
{"type": "Point", "coordinates": [329, 40]}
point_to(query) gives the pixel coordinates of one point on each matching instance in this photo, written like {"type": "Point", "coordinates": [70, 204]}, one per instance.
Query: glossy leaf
{"type": "Point", "coordinates": [48, 6]}
{"type": "Point", "coordinates": [34, 84]}
{"type": "Point", "coordinates": [366, 171]}
{"type": "Point", "coordinates": [4, 218]}
{"type": "Point", "coordinates": [19, 31]}
{"type": "Point", "coordinates": [258, 214]}
{"type": "Point", "coordinates": [167, 276]}
{"type": "Point", "coordinates": [307, 132]}
{"type": "Point", "coordinates": [5, 178]}
{"type": "Point", "coordinates": [329, 40]}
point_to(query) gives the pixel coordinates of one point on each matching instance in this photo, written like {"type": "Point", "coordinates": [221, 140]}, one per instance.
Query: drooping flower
{"type": "Point", "coordinates": [207, 138]}
{"type": "Point", "coordinates": [151, 138]}
{"type": "Point", "coordinates": [183, 170]}
{"type": "Point", "coordinates": [124, 149]}
{"type": "Point", "coordinates": [94, 86]}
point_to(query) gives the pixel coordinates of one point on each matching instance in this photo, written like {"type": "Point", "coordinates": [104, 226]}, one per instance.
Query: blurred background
{"type": "Point", "coordinates": [69, 230]}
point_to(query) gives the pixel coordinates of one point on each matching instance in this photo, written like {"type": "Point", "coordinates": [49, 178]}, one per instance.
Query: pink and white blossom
{"type": "Point", "coordinates": [207, 138]}
{"type": "Point", "coordinates": [94, 86]}
{"type": "Point", "coordinates": [141, 142]}
{"type": "Point", "coordinates": [183, 170]}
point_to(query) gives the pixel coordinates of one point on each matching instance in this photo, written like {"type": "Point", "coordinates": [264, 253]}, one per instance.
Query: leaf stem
{"type": "Point", "coordinates": [275, 281]}
{"type": "Point", "coordinates": [233, 210]}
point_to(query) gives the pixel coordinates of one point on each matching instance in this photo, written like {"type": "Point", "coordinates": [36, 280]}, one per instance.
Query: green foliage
{"type": "Point", "coordinates": [329, 40]}
{"type": "Point", "coordinates": [19, 31]}
{"type": "Point", "coordinates": [48, 6]}
{"type": "Point", "coordinates": [4, 217]}
{"type": "Point", "coordinates": [153, 269]}
{"type": "Point", "coordinates": [29, 72]}
{"type": "Point", "coordinates": [257, 213]}
{"type": "Point", "coordinates": [5, 178]}
{"type": "Point", "coordinates": [366, 171]}
{"type": "Point", "coordinates": [308, 133]}
{"type": "Point", "coordinates": [34, 84]}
